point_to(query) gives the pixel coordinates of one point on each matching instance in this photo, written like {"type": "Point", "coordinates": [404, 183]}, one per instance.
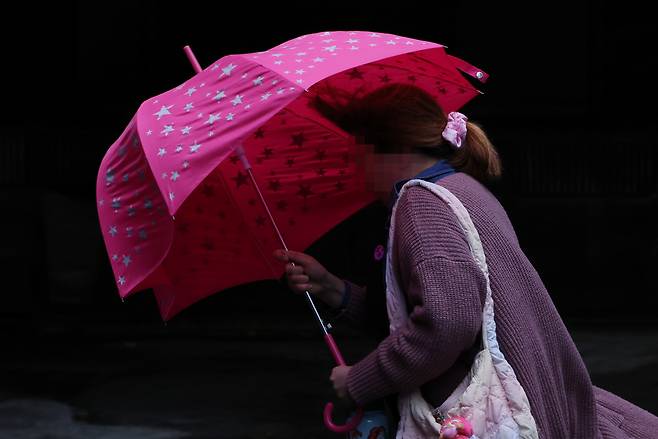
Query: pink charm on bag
{"type": "Point", "coordinates": [456, 427]}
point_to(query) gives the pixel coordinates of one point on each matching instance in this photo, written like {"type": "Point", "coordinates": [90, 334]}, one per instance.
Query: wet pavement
{"type": "Point", "coordinates": [91, 385]}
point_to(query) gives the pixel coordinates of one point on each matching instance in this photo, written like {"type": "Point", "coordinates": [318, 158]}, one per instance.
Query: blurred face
{"type": "Point", "coordinates": [382, 171]}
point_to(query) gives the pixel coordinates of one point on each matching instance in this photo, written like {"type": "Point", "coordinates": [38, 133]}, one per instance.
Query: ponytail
{"type": "Point", "coordinates": [477, 156]}
{"type": "Point", "coordinates": [403, 117]}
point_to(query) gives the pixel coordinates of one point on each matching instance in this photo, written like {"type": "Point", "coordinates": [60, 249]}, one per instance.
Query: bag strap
{"type": "Point", "coordinates": [474, 243]}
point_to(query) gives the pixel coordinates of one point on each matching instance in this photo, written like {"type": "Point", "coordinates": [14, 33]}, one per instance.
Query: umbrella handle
{"type": "Point", "coordinates": [329, 407]}
{"type": "Point", "coordinates": [352, 424]}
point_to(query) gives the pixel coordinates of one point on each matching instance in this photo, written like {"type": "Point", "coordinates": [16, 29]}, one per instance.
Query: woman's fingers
{"type": "Point", "coordinates": [294, 269]}
{"type": "Point", "coordinates": [298, 279]}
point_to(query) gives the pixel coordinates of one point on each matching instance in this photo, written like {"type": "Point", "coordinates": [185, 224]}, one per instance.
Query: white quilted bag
{"type": "Point", "coordinates": [490, 397]}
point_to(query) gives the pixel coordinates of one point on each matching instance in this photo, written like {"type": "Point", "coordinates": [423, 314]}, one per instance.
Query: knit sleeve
{"type": "Point", "coordinates": [446, 292]}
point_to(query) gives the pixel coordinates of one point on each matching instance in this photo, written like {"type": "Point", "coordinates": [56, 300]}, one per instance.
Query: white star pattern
{"type": "Point", "coordinates": [212, 118]}
{"type": "Point", "coordinates": [195, 147]}
{"type": "Point", "coordinates": [126, 260]}
{"type": "Point", "coordinates": [115, 257]}
{"type": "Point", "coordinates": [220, 94]}
{"type": "Point", "coordinates": [227, 70]}
{"type": "Point", "coordinates": [163, 111]}
{"type": "Point", "coordinates": [316, 58]}
{"type": "Point", "coordinates": [122, 280]}
{"type": "Point", "coordinates": [113, 230]}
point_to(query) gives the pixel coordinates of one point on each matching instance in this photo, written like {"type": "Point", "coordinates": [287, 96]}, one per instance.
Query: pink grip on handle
{"type": "Point", "coordinates": [329, 407]}
{"type": "Point", "coordinates": [334, 350]}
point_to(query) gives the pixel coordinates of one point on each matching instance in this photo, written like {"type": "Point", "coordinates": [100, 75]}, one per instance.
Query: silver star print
{"type": "Point", "coordinates": [190, 91]}
{"type": "Point", "coordinates": [237, 100]}
{"type": "Point", "coordinates": [186, 130]}
{"type": "Point", "coordinates": [174, 175]}
{"type": "Point", "coordinates": [163, 111]}
{"type": "Point", "coordinates": [188, 106]}
{"type": "Point", "coordinates": [212, 118]}
{"type": "Point", "coordinates": [220, 94]}
{"type": "Point", "coordinates": [122, 280]}
{"type": "Point", "coordinates": [167, 129]}
{"type": "Point", "coordinates": [113, 230]}
{"type": "Point", "coordinates": [162, 152]}
{"type": "Point", "coordinates": [259, 80]}
{"type": "Point", "coordinates": [126, 260]}
{"type": "Point", "coordinates": [227, 70]}
{"type": "Point", "coordinates": [195, 147]}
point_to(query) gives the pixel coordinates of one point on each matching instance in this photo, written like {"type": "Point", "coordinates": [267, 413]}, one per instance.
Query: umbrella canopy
{"type": "Point", "coordinates": [176, 208]}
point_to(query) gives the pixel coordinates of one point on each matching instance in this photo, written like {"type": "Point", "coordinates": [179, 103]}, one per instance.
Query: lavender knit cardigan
{"type": "Point", "coordinates": [445, 292]}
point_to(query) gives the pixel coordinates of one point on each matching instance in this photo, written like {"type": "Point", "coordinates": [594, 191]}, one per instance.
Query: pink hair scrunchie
{"type": "Point", "coordinates": [455, 130]}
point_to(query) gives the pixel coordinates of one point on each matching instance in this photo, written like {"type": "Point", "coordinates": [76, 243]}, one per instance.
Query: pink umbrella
{"type": "Point", "coordinates": [180, 218]}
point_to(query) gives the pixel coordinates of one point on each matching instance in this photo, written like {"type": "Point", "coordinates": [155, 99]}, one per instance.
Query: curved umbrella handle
{"type": "Point", "coordinates": [329, 407]}
{"type": "Point", "coordinates": [351, 425]}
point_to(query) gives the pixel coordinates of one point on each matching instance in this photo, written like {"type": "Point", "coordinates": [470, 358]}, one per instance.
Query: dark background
{"type": "Point", "coordinates": [569, 106]}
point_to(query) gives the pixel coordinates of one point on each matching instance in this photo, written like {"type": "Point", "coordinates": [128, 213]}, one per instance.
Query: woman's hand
{"type": "Point", "coordinates": [305, 273]}
{"type": "Point", "coordinates": [339, 379]}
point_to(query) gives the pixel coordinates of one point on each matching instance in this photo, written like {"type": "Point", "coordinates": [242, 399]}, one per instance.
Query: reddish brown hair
{"type": "Point", "coordinates": [400, 118]}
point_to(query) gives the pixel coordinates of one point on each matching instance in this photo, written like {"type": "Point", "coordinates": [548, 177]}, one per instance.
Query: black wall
{"type": "Point", "coordinates": [570, 106]}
